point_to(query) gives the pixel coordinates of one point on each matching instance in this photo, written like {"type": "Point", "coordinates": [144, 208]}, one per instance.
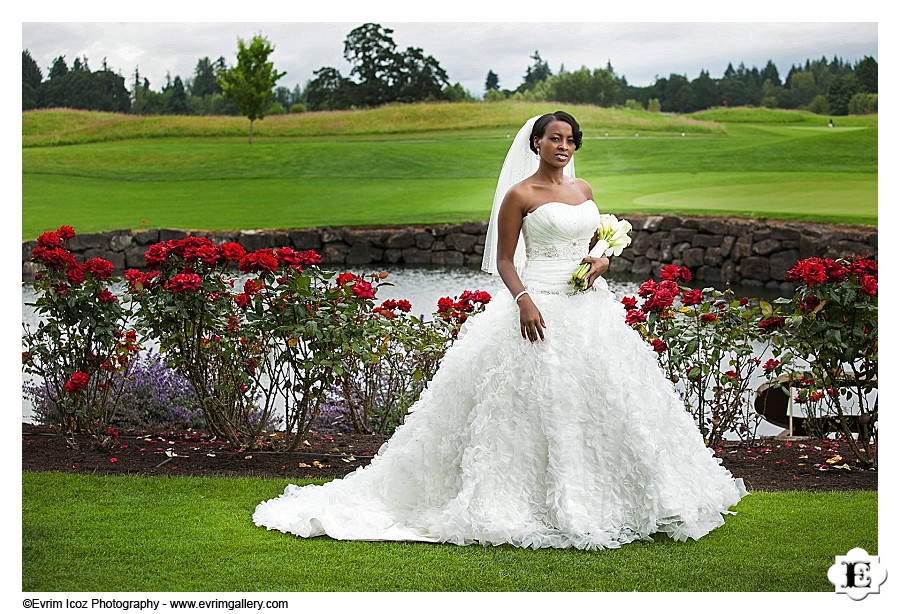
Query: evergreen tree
{"type": "Point", "coordinates": [58, 68]}
{"type": "Point", "coordinates": [867, 74]}
{"type": "Point", "coordinates": [491, 82]}
{"type": "Point", "coordinates": [770, 72]}
{"type": "Point", "coordinates": [538, 72]}
{"type": "Point", "coordinates": [176, 102]}
{"type": "Point", "coordinates": [31, 81]}
{"type": "Point", "coordinates": [205, 82]}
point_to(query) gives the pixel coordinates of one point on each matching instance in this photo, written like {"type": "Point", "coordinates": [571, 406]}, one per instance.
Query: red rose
{"type": "Point", "coordinates": [659, 301]}
{"type": "Point", "coordinates": [156, 255]}
{"type": "Point", "coordinates": [647, 288]}
{"type": "Point", "coordinates": [345, 278]}
{"type": "Point", "coordinates": [309, 257]}
{"type": "Point", "coordinates": [629, 302]}
{"type": "Point", "coordinates": [836, 270]}
{"type": "Point", "coordinates": [56, 257]}
{"type": "Point", "coordinates": [243, 300]}
{"type": "Point", "coordinates": [692, 297]}
{"type": "Point", "coordinates": [49, 240]}
{"type": "Point", "coordinates": [75, 275]}
{"type": "Point", "coordinates": [771, 365]}
{"type": "Point", "coordinates": [66, 232]}
{"type": "Point", "coordinates": [743, 302]}
{"type": "Point", "coordinates": [672, 272]}
{"type": "Point", "coordinates": [202, 249]}
{"type": "Point", "coordinates": [363, 289]}
{"type": "Point", "coordinates": [99, 268]}
{"type": "Point", "coordinates": [445, 304]}
{"type": "Point", "coordinates": [869, 285]}
{"type": "Point", "coordinates": [404, 305]}
{"type": "Point", "coordinates": [635, 316]}
{"type": "Point", "coordinates": [731, 374]}
{"type": "Point", "coordinates": [76, 383]}
{"type": "Point", "coordinates": [105, 296]}
{"type": "Point", "coordinates": [659, 346]}
{"type": "Point", "coordinates": [864, 266]}
{"type": "Point", "coordinates": [709, 317]}
{"type": "Point", "coordinates": [252, 287]}
{"type": "Point", "coordinates": [262, 260]}
{"type": "Point", "coordinates": [808, 304]}
{"type": "Point", "coordinates": [232, 252]}
{"type": "Point", "coordinates": [185, 282]}
{"type": "Point", "coordinates": [771, 324]}
{"type": "Point", "coordinates": [811, 272]}
{"type": "Point", "coordinates": [287, 255]}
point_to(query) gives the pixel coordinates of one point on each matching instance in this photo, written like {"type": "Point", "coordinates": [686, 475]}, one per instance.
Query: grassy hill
{"type": "Point", "coordinates": [429, 163]}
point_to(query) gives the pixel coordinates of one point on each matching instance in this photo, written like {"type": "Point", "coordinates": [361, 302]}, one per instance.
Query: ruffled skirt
{"type": "Point", "coordinates": [577, 441]}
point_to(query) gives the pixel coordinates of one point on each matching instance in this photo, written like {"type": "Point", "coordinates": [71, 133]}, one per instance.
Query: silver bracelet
{"type": "Point", "coordinates": [519, 295]}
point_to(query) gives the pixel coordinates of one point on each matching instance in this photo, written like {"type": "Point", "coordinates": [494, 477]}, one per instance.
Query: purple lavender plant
{"type": "Point", "coordinates": [154, 397]}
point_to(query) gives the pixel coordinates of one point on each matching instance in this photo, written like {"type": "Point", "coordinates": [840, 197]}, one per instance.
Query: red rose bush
{"type": "Point", "coordinates": [826, 339]}
{"type": "Point", "coordinates": [707, 343]}
{"type": "Point", "coordinates": [81, 350]}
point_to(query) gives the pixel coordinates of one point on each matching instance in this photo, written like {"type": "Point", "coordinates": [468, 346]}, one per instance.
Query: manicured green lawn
{"type": "Point", "coordinates": [421, 172]}
{"type": "Point", "coordinates": [92, 533]}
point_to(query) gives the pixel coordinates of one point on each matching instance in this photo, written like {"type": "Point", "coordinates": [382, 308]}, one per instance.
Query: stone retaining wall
{"type": "Point", "coordinates": [740, 251]}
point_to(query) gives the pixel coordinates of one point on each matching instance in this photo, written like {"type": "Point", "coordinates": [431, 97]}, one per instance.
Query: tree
{"type": "Point", "coordinates": [328, 91]}
{"type": "Point", "coordinates": [538, 72]}
{"type": "Point", "coordinates": [840, 91]}
{"type": "Point", "coordinates": [31, 81]}
{"type": "Point", "coordinates": [249, 84]}
{"type": "Point", "coordinates": [491, 82]}
{"type": "Point", "coordinates": [770, 72]}
{"type": "Point", "coordinates": [420, 77]}
{"type": "Point", "coordinates": [205, 83]}
{"type": "Point", "coordinates": [176, 102]}
{"type": "Point", "coordinates": [867, 75]}
{"type": "Point", "coordinates": [58, 68]}
{"type": "Point", "coordinates": [376, 63]}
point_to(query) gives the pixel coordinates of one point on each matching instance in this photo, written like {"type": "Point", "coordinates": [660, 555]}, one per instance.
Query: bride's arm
{"type": "Point", "coordinates": [599, 266]}
{"type": "Point", "coordinates": [509, 225]}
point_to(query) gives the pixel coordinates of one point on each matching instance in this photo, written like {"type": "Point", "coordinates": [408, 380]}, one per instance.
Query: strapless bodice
{"type": "Point", "coordinates": [557, 236]}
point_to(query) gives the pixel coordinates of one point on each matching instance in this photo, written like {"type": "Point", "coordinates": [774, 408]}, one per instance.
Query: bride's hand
{"type": "Point", "coordinates": [599, 266]}
{"type": "Point", "coordinates": [531, 322]}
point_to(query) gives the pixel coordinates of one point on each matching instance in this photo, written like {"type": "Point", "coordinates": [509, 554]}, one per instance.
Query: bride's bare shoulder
{"type": "Point", "coordinates": [518, 196]}
{"type": "Point", "coordinates": [585, 188]}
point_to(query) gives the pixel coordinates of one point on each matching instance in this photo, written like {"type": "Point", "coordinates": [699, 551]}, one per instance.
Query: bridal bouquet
{"type": "Point", "coordinates": [612, 238]}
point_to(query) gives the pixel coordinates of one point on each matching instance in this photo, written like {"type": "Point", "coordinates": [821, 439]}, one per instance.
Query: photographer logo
{"type": "Point", "coordinates": [857, 574]}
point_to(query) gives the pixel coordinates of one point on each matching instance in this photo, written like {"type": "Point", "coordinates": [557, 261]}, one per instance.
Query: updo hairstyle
{"type": "Point", "coordinates": [540, 126]}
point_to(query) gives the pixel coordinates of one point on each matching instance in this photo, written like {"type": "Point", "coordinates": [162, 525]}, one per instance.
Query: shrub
{"type": "Point", "coordinates": [185, 302]}
{"type": "Point", "coordinates": [378, 386]}
{"type": "Point", "coordinates": [80, 348]}
{"type": "Point", "coordinates": [863, 104]}
{"type": "Point", "coordinates": [154, 397]}
{"type": "Point", "coordinates": [706, 347]}
{"type": "Point", "coordinates": [827, 344]}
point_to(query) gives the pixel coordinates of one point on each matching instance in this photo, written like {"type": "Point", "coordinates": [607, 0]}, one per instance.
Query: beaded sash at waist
{"type": "Point", "coordinates": [576, 248]}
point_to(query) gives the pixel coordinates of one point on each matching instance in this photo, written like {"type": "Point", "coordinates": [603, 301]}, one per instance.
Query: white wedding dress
{"type": "Point", "coordinates": [577, 441]}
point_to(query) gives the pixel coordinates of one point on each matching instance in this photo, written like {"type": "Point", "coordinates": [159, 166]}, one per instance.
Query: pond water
{"type": "Point", "coordinates": [424, 285]}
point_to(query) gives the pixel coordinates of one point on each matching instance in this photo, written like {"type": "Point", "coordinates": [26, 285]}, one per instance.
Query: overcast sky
{"type": "Point", "coordinates": [639, 51]}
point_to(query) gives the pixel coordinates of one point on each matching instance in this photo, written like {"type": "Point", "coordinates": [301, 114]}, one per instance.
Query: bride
{"type": "Point", "coordinates": [549, 422]}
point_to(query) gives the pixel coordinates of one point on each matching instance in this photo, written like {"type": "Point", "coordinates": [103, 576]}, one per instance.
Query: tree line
{"type": "Point", "coordinates": [382, 73]}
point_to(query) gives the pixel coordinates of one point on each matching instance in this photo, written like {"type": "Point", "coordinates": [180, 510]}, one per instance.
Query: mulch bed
{"type": "Point", "coordinates": [770, 465]}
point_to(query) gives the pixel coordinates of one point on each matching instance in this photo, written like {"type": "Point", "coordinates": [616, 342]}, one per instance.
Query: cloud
{"type": "Point", "coordinates": [466, 50]}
